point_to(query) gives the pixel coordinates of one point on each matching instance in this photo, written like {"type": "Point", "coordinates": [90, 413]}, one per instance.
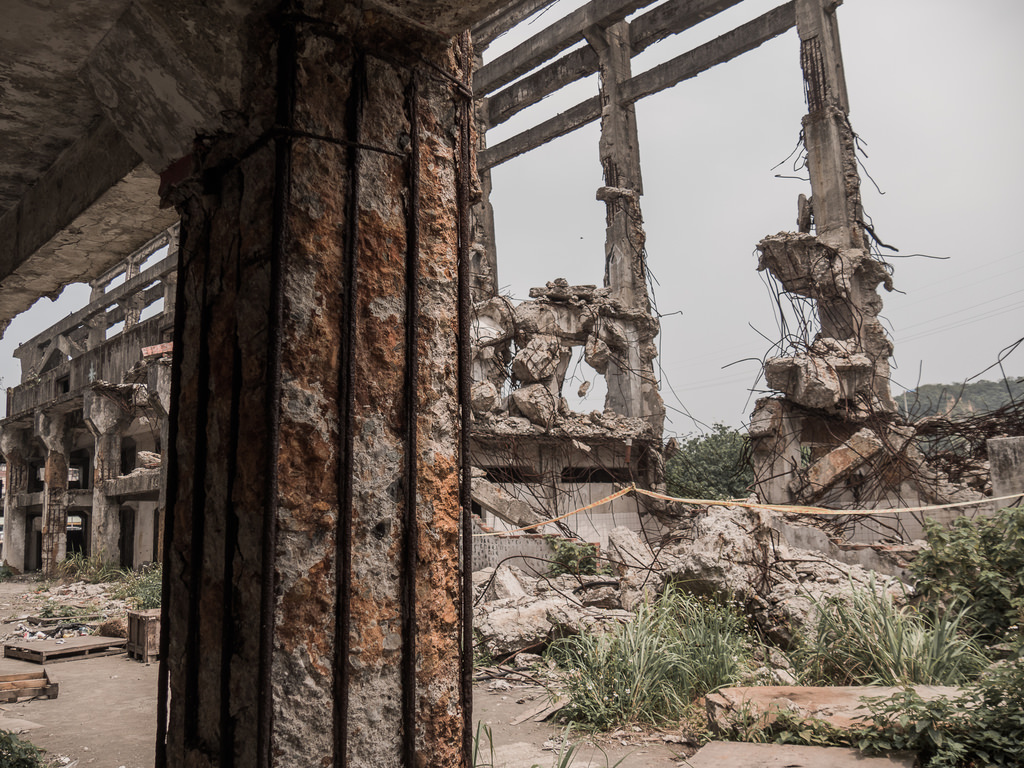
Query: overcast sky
{"type": "Point", "coordinates": [937, 96]}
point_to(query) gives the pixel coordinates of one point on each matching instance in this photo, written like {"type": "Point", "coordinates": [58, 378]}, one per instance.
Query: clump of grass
{"type": "Point", "coordinates": [93, 569]}
{"type": "Point", "coordinates": [870, 640]}
{"type": "Point", "coordinates": [143, 589]}
{"type": "Point", "coordinates": [18, 753]}
{"type": "Point", "coordinates": [650, 669]}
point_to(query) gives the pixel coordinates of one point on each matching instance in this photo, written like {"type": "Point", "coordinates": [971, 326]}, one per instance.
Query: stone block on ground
{"type": "Point", "coordinates": [841, 706]}
{"type": "Point", "coordinates": [729, 754]}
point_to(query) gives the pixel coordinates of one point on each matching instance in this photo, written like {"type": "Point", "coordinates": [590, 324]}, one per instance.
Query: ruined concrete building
{"type": "Point", "coordinates": [86, 426]}
{"type": "Point", "coordinates": [322, 160]}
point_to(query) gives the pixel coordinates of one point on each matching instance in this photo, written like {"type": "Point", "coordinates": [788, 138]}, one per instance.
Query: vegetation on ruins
{"type": "Point", "coordinates": [972, 573]}
{"type": "Point", "coordinates": [650, 669]}
{"type": "Point", "coordinates": [15, 752]}
{"type": "Point", "coordinates": [93, 569]}
{"type": "Point", "coordinates": [715, 465]}
{"type": "Point", "coordinates": [976, 566]}
{"type": "Point", "coordinates": [869, 640]}
{"type": "Point", "coordinates": [574, 557]}
{"type": "Point", "coordinates": [141, 589]}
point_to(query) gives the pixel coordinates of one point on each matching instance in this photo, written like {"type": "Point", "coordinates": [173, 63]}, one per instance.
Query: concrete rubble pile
{"type": "Point", "coordinates": [545, 330]}
{"type": "Point", "coordinates": [727, 553]}
{"type": "Point", "coordinates": [834, 435]}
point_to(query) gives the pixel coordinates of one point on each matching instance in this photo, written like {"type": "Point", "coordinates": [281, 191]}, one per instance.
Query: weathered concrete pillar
{"type": "Point", "coordinates": [848, 302]}
{"type": "Point", "coordinates": [632, 386]}
{"type": "Point", "coordinates": [484, 251]}
{"type": "Point", "coordinates": [14, 446]}
{"type": "Point", "coordinates": [133, 306]}
{"type": "Point", "coordinates": [159, 388]}
{"type": "Point", "coordinates": [106, 415]}
{"type": "Point", "coordinates": [1006, 459]}
{"type": "Point", "coordinates": [313, 526]}
{"type": "Point", "coordinates": [51, 429]}
{"type": "Point", "coordinates": [98, 323]}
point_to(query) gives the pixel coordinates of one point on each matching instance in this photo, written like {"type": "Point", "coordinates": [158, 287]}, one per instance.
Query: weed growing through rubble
{"type": "Point", "coordinates": [143, 589]}
{"type": "Point", "coordinates": [18, 753]}
{"type": "Point", "coordinates": [650, 669]}
{"type": "Point", "coordinates": [574, 557]}
{"type": "Point", "coordinates": [872, 641]}
{"type": "Point", "coordinates": [92, 569]}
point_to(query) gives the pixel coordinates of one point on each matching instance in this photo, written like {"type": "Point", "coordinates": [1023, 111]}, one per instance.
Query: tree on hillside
{"type": "Point", "coordinates": [711, 466]}
{"type": "Point", "coordinates": [959, 400]}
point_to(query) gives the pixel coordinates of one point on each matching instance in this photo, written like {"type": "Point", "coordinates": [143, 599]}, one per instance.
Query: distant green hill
{"type": "Point", "coordinates": [960, 400]}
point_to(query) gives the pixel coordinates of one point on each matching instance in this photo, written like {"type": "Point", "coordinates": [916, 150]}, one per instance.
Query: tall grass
{"type": "Point", "coordinates": [650, 669]}
{"type": "Point", "coordinates": [94, 569]}
{"type": "Point", "coordinates": [870, 640]}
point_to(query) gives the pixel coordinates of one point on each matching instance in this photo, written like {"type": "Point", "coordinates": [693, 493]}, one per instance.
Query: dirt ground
{"type": "Point", "coordinates": [530, 743]}
{"type": "Point", "coordinates": [105, 713]}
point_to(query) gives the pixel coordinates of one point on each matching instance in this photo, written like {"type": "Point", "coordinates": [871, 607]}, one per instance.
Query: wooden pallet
{"type": "Point", "coordinates": [72, 649]}
{"type": "Point", "coordinates": [27, 685]}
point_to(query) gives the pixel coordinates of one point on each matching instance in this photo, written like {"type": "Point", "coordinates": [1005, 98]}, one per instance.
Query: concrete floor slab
{"type": "Point", "coordinates": [728, 754]}
{"type": "Point", "coordinates": [842, 706]}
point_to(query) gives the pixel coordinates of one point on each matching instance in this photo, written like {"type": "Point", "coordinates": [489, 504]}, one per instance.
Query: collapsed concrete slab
{"type": "Point", "coordinates": [722, 754]}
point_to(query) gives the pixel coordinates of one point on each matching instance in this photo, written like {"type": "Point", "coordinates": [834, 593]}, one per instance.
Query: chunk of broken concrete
{"type": "Point", "coordinates": [635, 564]}
{"type": "Point", "coordinates": [537, 403]}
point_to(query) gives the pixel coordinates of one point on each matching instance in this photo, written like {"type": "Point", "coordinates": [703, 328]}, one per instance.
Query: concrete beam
{"type": "Point", "coordinates": [93, 207]}
{"type": "Point", "coordinates": [644, 31]}
{"type": "Point", "coordinates": [683, 67]}
{"type": "Point", "coordinates": [561, 35]}
{"type": "Point", "coordinates": [501, 21]}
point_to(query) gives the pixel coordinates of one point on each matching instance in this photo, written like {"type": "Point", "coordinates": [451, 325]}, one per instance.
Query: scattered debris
{"type": "Point", "coordinates": [728, 553]}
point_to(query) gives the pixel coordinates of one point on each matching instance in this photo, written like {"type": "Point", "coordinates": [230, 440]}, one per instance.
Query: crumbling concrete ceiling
{"type": "Point", "coordinates": [43, 107]}
{"type": "Point", "coordinates": [99, 96]}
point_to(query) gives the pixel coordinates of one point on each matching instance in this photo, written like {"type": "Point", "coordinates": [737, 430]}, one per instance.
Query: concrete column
{"type": "Point", "coordinates": [484, 252]}
{"type": "Point", "coordinates": [312, 594]}
{"type": "Point", "coordinates": [159, 389]}
{"type": "Point", "coordinates": [14, 446]}
{"type": "Point", "coordinates": [98, 324]}
{"type": "Point", "coordinates": [51, 429]}
{"type": "Point", "coordinates": [106, 415]}
{"type": "Point", "coordinates": [632, 386]}
{"type": "Point", "coordinates": [849, 309]}
{"type": "Point", "coordinates": [133, 305]}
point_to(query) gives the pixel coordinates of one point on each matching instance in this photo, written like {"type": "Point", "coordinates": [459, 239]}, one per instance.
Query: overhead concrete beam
{"type": "Point", "coordinates": [95, 205]}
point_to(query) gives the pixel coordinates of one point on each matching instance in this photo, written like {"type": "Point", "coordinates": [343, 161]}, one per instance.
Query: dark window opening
{"type": "Point", "coordinates": [596, 475]}
{"type": "Point", "coordinates": [509, 474]}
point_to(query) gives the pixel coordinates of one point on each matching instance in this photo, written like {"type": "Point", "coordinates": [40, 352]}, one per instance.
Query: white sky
{"type": "Point", "coordinates": [936, 93]}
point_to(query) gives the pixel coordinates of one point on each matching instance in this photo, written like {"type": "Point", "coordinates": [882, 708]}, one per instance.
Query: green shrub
{"type": "Point", "coordinates": [712, 466]}
{"type": "Point", "coordinates": [17, 753]}
{"type": "Point", "coordinates": [977, 564]}
{"type": "Point", "coordinates": [982, 727]}
{"type": "Point", "coordinates": [870, 640]}
{"type": "Point", "coordinates": [143, 589]}
{"type": "Point", "coordinates": [575, 557]}
{"type": "Point", "coordinates": [650, 669]}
